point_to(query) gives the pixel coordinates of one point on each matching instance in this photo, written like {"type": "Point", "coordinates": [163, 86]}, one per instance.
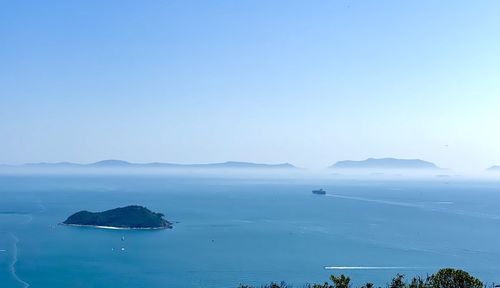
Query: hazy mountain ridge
{"type": "Point", "coordinates": [367, 164]}
{"type": "Point", "coordinates": [494, 168]}
{"type": "Point", "coordinates": [384, 163]}
{"type": "Point", "coordinates": [124, 164]}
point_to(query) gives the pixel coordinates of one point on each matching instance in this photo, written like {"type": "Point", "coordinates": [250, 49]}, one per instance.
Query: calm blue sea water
{"type": "Point", "coordinates": [234, 231]}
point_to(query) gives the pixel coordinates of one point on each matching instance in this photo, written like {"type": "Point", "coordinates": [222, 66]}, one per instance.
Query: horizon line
{"type": "Point", "coordinates": [286, 165]}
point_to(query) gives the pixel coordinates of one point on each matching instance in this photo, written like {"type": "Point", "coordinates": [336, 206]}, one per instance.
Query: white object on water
{"type": "Point", "coordinates": [123, 249]}
{"type": "Point", "coordinates": [367, 267]}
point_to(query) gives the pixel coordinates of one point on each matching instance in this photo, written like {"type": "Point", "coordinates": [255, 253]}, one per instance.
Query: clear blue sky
{"type": "Point", "coordinates": [306, 82]}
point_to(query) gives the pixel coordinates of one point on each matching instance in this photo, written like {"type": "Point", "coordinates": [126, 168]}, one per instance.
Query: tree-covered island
{"type": "Point", "coordinates": [130, 217]}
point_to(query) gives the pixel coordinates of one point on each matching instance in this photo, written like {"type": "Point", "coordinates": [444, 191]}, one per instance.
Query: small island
{"type": "Point", "coordinates": [494, 169]}
{"type": "Point", "coordinates": [130, 217]}
{"type": "Point", "coordinates": [386, 163]}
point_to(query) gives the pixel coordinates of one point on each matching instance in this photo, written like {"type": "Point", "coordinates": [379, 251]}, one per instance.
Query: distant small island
{"type": "Point", "coordinates": [385, 163]}
{"type": "Point", "coordinates": [494, 169]}
{"type": "Point", "coordinates": [130, 217]}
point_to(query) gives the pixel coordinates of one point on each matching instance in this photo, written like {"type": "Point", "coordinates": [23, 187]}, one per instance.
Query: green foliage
{"type": "Point", "coordinates": [324, 285]}
{"type": "Point", "coordinates": [341, 281]}
{"type": "Point", "coordinates": [453, 278]}
{"type": "Point", "coordinates": [444, 278]}
{"type": "Point", "coordinates": [127, 217]}
{"type": "Point", "coordinates": [271, 285]}
{"type": "Point", "coordinates": [275, 285]}
{"type": "Point", "coordinates": [398, 281]}
{"type": "Point", "coordinates": [417, 282]}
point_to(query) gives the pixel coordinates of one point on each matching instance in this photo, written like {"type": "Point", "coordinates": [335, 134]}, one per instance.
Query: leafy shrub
{"type": "Point", "coordinates": [444, 278]}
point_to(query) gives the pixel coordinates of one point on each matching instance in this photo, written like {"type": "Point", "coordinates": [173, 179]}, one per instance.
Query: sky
{"type": "Point", "coordinates": [305, 82]}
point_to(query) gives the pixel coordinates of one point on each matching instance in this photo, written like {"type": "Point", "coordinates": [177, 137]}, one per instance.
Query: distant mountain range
{"type": "Point", "coordinates": [370, 163]}
{"type": "Point", "coordinates": [384, 163]}
{"type": "Point", "coordinates": [125, 164]}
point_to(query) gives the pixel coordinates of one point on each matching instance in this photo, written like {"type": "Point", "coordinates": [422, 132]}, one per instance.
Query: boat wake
{"type": "Point", "coordinates": [12, 266]}
{"type": "Point", "coordinates": [369, 268]}
{"type": "Point", "coordinates": [41, 207]}
{"type": "Point", "coordinates": [387, 202]}
{"type": "Point", "coordinates": [423, 206]}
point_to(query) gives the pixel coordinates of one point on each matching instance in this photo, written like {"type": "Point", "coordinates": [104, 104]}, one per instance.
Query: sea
{"type": "Point", "coordinates": [245, 230]}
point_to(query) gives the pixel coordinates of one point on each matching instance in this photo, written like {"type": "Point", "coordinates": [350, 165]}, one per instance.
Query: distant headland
{"type": "Point", "coordinates": [130, 217]}
{"type": "Point", "coordinates": [385, 163]}
{"type": "Point", "coordinates": [493, 169]}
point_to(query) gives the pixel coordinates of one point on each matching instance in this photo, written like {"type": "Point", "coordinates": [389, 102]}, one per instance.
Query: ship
{"type": "Point", "coordinates": [319, 192]}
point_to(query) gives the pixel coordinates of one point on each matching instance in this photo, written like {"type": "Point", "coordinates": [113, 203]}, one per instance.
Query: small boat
{"type": "Point", "coordinates": [319, 192]}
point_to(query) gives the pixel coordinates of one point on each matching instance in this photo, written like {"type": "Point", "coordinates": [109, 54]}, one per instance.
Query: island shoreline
{"type": "Point", "coordinates": [116, 228]}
